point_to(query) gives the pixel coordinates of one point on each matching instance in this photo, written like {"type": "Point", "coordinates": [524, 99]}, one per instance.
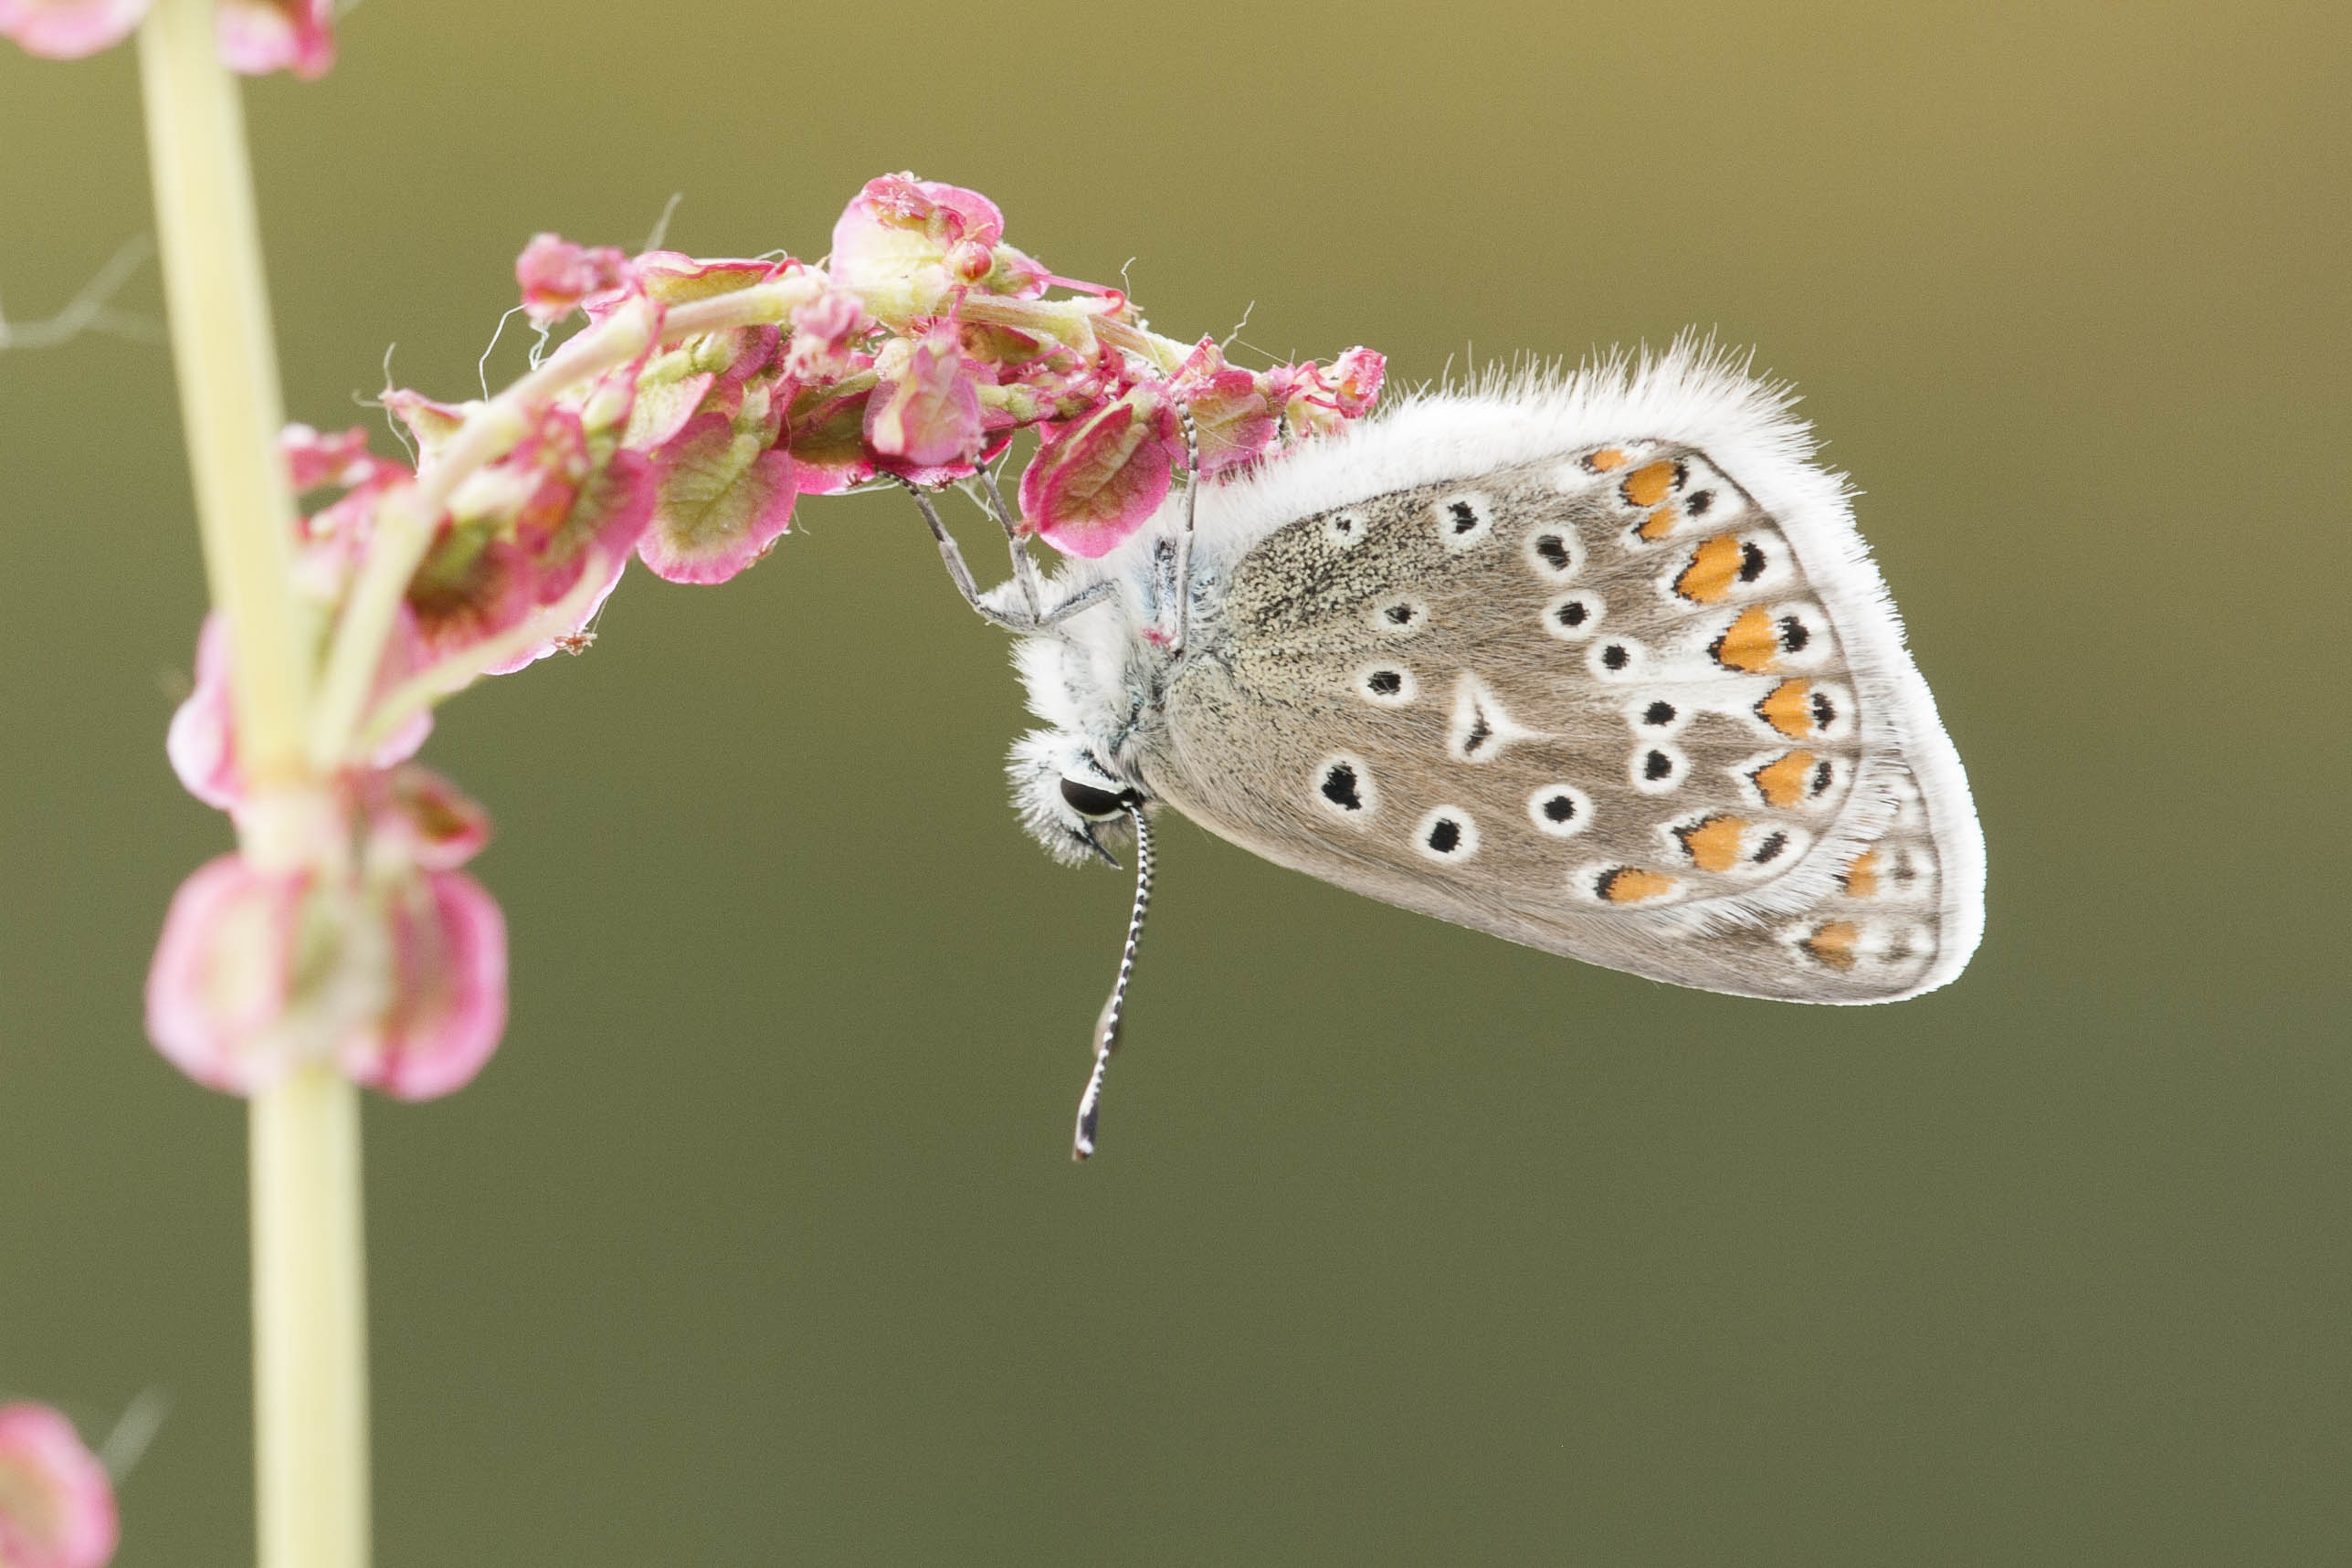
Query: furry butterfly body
{"type": "Point", "coordinates": [1595, 664]}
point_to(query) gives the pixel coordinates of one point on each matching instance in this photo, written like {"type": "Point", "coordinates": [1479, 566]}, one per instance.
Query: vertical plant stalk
{"type": "Point", "coordinates": [309, 1301]}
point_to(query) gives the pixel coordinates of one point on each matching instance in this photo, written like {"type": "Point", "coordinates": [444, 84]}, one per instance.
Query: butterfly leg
{"type": "Point", "coordinates": [960, 573]}
{"type": "Point", "coordinates": [1024, 571]}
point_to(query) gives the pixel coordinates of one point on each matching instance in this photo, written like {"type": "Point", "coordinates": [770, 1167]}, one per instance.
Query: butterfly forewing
{"type": "Point", "coordinates": [1598, 703]}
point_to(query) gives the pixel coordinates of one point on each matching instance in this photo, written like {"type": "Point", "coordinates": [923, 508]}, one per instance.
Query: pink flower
{"type": "Point", "coordinates": [261, 36]}
{"type": "Point", "coordinates": [68, 29]}
{"type": "Point", "coordinates": [257, 972]}
{"type": "Point", "coordinates": [1355, 380]}
{"type": "Point", "coordinates": [1230, 416]}
{"type": "Point", "coordinates": [1316, 400]}
{"type": "Point", "coordinates": [395, 972]}
{"type": "Point", "coordinates": [521, 532]}
{"type": "Point", "coordinates": [1096, 480]}
{"type": "Point", "coordinates": [315, 461]}
{"type": "Point", "coordinates": [448, 989]}
{"type": "Point", "coordinates": [823, 331]}
{"type": "Point", "coordinates": [905, 243]}
{"type": "Point", "coordinates": [930, 416]}
{"type": "Point", "coordinates": [57, 1504]}
{"type": "Point", "coordinates": [556, 275]}
{"type": "Point", "coordinates": [255, 36]}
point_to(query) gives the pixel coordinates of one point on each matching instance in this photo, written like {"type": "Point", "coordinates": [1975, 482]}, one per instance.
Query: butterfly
{"type": "Point", "coordinates": [1595, 663]}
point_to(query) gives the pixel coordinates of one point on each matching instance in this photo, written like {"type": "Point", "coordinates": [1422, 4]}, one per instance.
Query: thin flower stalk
{"type": "Point", "coordinates": [309, 1334]}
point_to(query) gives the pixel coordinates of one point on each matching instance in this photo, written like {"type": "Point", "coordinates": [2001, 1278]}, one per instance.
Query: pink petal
{"type": "Point", "coordinates": [261, 36]}
{"type": "Point", "coordinates": [724, 497]}
{"type": "Point", "coordinates": [472, 585]}
{"type": "Point", "coordinates": [429, 422]}
{"type": "Point", "coordinates": [315, 461]}
{"type": "Point", "coordinates": [421, 817]}
{"type": "Point", "coordinates": [826, 434]}
{"type": "Point", "coordinates": [1097, 480]}
{"type": "Point", "coordinates": [223, 976]}
{"type": "Point", "coordinates": [201, 743]}
{"type": "Point", "coordinates": [899, 226]}
{"type": "Point", "coordinates": [56, 1503]}
{"type": "Point", "coordinates": [201, 740]}
{"type": "Point", "coordinates": [556, 275]}
{"type": "Point", "coordinates": [822, 332]}
{"type": "Point", "coordinates": [930, 416]}
{"type": "Point", "coordinates": [448, 1007]}
{"type": "Point", "coordinates": [68, 29]}
{"type": "Point", "coordinates": [1232, 417]}
{"type": "Point", "coordinates": [674, 279]}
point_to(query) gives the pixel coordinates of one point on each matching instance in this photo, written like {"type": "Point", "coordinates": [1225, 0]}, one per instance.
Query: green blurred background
{"type": "Point", "coordinates": [758, 1243]}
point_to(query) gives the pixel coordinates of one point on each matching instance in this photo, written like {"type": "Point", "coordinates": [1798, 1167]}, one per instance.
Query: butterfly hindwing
{"type": "Point", "coordinates": [1600, 702]}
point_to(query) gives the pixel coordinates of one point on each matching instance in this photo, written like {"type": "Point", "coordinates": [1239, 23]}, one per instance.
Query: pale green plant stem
{"type": "Point", "coordinates": [310, 1352]}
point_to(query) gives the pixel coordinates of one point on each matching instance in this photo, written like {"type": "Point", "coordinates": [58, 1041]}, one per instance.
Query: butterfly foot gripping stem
{"type": "Point", "coordinates": [1030, 618]}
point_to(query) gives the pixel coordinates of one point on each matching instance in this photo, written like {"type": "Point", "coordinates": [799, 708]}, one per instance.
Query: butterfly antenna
{"type": "Point", "coordinates": [1184, 540]}
{"type": "Point", "coordinates": [1106, 1027]}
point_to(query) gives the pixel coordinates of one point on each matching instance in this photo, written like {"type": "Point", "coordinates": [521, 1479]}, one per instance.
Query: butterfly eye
{"type": "Point", "coordinates": [1091, 801]}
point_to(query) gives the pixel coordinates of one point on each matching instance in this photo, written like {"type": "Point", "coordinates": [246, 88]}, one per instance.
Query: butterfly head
{"type": "Point", "coordinates": [1070, 800]}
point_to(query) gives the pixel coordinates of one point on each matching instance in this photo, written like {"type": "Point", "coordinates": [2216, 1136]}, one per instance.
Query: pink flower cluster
{"type": "Point", "coordinates": [679, 425]}
{"type": "Point", "coordinates": [373, 949]}
{"type": "Point", "coordinates": [255, 36]}
{"type": "Point", "coordinates": [57, 1504]}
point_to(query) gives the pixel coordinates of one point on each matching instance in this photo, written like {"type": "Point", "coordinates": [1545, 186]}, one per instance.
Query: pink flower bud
{"type": "Point", "coordinates": [1019, 275]}
{"type": "Point", "coordinates": [1096, 480]}
{"type": "Point", "coordinates": [448, 993]}
{"type": "Point", "coordinates": [68, 29]}
{"type": "Point", "coordinates": [1355, 380]}
{"type": "Point", "coordinates": [930, 416]}
{"type": "Point", "coordinates": [57, 1504]}
{"type": "Point", "coordinates": [261, 36]}
{"type": "Point", "coordinates": [556, 275]}
{"type": "Point", "coordinates": [257, 972]}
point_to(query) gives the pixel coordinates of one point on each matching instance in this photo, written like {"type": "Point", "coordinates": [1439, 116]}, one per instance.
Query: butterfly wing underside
{"type": "Point", "coordinates": [1603, 704]}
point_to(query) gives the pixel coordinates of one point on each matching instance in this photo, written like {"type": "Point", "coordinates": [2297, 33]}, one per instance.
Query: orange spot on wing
{"type": "Point", "coordinates": [1659, 523]}
{"type": "Point", "coordinates": [1608, 459]}
{"type": "Point", "coordinates": [1859, 877]}
{"type": "Point", "coordinates": [1712, 844]}
{"type": "Point", "coordinates": [1787, 710]}
{"type": "Point", "coordinates": [1751, 643]}
{"type": "Point", "coordinates": [1781, 781]}
{"type": "Point", "coordinates": [1631, 885]}
{"type": "Point", "coordinates": [1648, 484]}
{"type": "Point", "coordinates": [1713, 568]}
{"type": "Point", "coordinates": [1833, 943]}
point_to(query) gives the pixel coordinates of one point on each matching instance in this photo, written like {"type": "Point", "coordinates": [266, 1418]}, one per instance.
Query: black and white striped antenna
{"type": "Point", "coordinates": [1106, 1027]}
